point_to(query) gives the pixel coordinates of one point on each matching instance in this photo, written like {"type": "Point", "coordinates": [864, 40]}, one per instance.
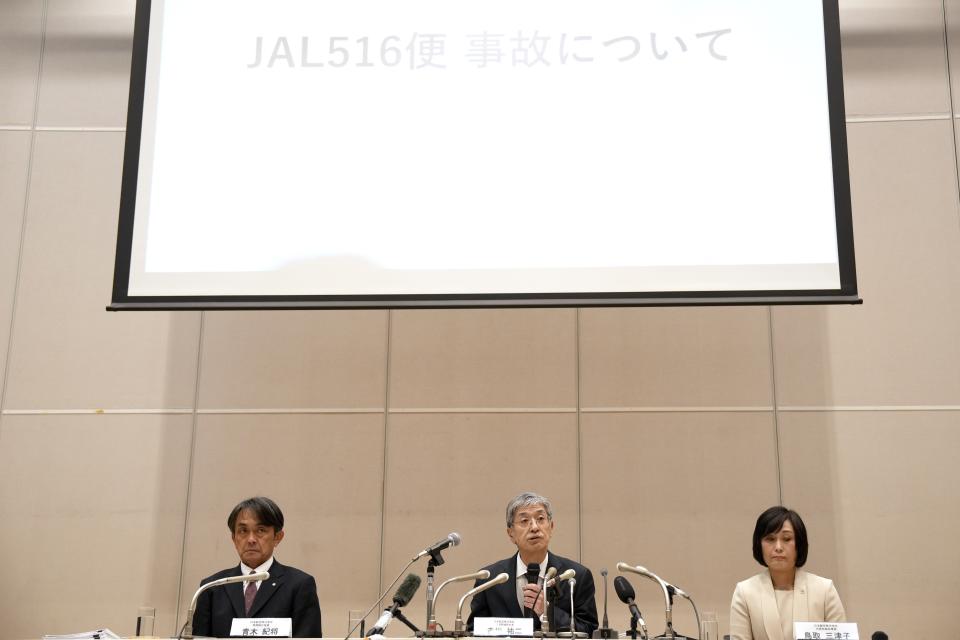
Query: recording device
{"type": "Point", "coordinates": [434, 550]}
{"type": "Point", "coordinates": [605, 631]}
{"type": "Point", "coordinates": [187, 631]}
{"type": "Point", "coordinates": [628, 597]}
{"type": "Point", "coordinates": [401, 598]}
{"type": "Point", "coordinates": [879, 635]}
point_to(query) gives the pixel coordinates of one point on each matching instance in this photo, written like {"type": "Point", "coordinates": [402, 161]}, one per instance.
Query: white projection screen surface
{"type": "Point", "coordinates": [436, 153]}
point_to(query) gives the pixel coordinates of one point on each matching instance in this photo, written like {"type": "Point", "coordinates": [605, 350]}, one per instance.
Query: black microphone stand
{"type": "Point", "coordinates": [633, 627]}
{"type": "Point", "coordinates": [402, 618]}
{"type": "Point", "coordinates": [551, 594]}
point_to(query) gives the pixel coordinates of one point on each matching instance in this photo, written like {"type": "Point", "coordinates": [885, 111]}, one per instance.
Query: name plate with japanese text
{"type": "Point", "coordinates": [514, 627]}
{"type": "Point", "coordinates": [261, 628]}
{"type": "Point", "coordinates": [825, 631]}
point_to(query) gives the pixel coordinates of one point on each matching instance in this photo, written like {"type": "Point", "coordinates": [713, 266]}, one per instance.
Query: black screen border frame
{"type": "Point", "coordinates": [846, 294]}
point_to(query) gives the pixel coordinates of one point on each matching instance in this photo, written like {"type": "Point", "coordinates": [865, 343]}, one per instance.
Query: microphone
{"type": "Point", "coordinates": [669, 589]}
{"type": "Point", "coordinates": [483, 574]}
{"type": "Point", "coordinates": [628, 596]}
{"type": "Point", "coordinates": [566, 575]}
{"type": "Point", "coordinates": [879, 635]}
{"type": "Point", "coordinates": [187, 631]}
{"type": "Point", "coordinates": [677, 591]}
{"type": "Point", "coordinates": [606, 620]}
{"type": "Point", "coordinates": [545, 617]}
{"type": "Point", "coordinates": [605, 631]}
{"type": "Point", "coordinates": [401, 598]}
{"type": "Point", "coordinates": [623, 566]}
{"type": "Point", "coordinates": [533, 577]}
{"type": "Point", "coordinates": [451, 540]}
{"type": "Point", "coordinates": [500, 579]}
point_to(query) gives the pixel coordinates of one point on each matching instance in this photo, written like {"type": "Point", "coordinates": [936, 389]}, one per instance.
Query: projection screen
{"type": "Point", "coordinates": [431, 153]}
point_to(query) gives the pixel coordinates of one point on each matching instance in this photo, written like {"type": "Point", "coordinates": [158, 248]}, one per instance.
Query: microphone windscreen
{"type": "Point", "coordinates": [533, 572]}
{"type": "Point", "coordinates": [624, 589]}
{"type": "Point", "coordinates": [455, 539]}
{"type": "Point", "coordinates": [406, 589]}
{"type": "Point", "coordinates": [879, 635]}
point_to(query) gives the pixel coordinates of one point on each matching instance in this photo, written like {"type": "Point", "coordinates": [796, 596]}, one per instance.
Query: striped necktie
{"type": "Point", "coordinates": [249, 594]}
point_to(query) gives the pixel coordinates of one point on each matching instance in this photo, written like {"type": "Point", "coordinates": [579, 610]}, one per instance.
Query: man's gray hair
{"type": "Point", "coordinates": [527, 499]}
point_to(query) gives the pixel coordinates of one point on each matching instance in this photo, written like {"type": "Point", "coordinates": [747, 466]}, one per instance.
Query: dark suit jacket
{"type": "Point", "coordinates": [289, 593]}
{"type": "Point", "coordinates": [501, 600]}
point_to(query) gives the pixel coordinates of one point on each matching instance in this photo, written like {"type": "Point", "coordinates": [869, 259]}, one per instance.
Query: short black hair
{"type": "Point", "coordinates": [263, 509]}
{"type": "Point", "coordinates": [771, 521]}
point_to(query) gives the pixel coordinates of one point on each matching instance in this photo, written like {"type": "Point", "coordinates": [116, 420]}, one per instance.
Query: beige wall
{"type": "Point", "coordinates": [659, 433]}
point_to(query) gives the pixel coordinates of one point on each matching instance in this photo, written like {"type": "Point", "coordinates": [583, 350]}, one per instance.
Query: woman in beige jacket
{"type": "Point", "coordinates": [765, 606]}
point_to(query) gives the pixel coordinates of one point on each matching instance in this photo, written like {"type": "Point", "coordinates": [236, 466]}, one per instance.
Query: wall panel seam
{"type": "Point", "coordinates": [776, 414]}
{"type": "Point", "coordinates": [383, 471]}
{"type": "Point", "coordinates": [579, 438]}
{"type": "Point", "coordinates": [953, 109]}
{"type": "Point", "coordinates": [677, 409]}
{"type": "Point", "coordinates": [191, 458]}
{"type": "Point", "coordinates": [903, 117]}
{"type": "Point", "coordinates": [4, 386]}
{"type": "Point", "coordinates": [506, 410]}
{"type": "Point", "coordinates": [61, 129]}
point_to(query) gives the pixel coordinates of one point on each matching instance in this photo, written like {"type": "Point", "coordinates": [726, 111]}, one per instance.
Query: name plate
{"type": "Point", "coordinates": [503, 627]}
{"type": "Point", "coordinates": [825, 631]}
{"type": "Point", "coordinates": [261, 627]}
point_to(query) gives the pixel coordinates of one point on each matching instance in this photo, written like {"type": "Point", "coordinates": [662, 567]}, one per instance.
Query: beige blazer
{"type": "Point", "coordinates": [754, 614]}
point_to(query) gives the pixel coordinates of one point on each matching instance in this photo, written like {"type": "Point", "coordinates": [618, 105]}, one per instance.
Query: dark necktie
{"type": "Point", "coordinates": [249, 594]}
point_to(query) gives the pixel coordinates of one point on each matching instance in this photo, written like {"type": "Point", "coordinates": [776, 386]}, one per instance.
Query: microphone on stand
{"type": "Point", "coordinates": [548, 621]}
{"type": "Point", "coordinates": [434, 550]}
{"type": "Point", "coordinates": [483, 574]}
{"type": "Point", "coordinates": [566, 575]}
{"type": "Point", "coordinates": [401, 598]}
{"type": "Point", "coordinates": [187, 631]}
{"type": "Point", "coordinates": [605, 631]}
{"type": "Point", "coordinates": [436, 559]}
{"type": "Point", "coordinates": [458, 623]}
{"type": "Point", "coordinates": [677, 591]}
{"type": "Point", "coordinates": [546, 618]}
{"type": "Point", "coordinates": [628, 596]}
{"type": "Point", "coordinates": [667, 596]}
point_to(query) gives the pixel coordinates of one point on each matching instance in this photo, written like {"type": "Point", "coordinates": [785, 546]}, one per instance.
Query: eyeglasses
{"type": "Point", "coordinates": [526, 523]}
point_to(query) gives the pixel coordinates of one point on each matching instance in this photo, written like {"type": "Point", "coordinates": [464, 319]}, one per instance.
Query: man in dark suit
{"type": "Point", "coordinates": [256, 527]}
{"type": "Point", "coordinates": [530, 526]}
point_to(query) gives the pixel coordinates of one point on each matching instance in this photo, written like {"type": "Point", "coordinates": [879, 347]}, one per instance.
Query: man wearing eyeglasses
{"type": "Point", "coordinates": [530, 526]}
